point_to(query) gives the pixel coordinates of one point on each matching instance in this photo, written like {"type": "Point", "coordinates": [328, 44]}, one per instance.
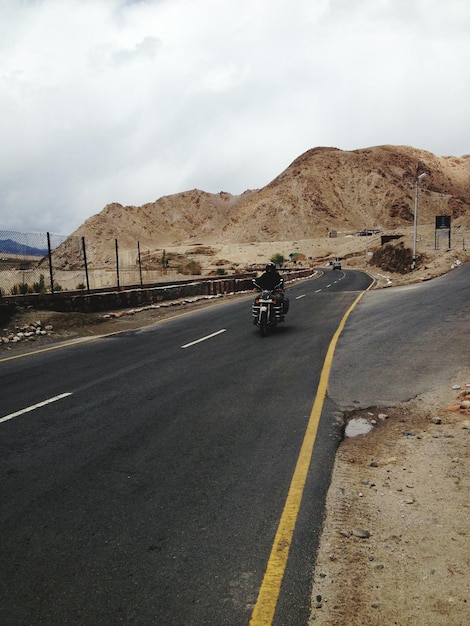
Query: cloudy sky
{"type": "Point", "coordinates": [129, 100]}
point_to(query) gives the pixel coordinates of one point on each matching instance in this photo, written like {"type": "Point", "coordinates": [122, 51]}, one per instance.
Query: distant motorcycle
{"type": "Point", "coordinates": [267, 309]}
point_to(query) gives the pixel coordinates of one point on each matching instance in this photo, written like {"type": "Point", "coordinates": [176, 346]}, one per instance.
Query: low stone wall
{"type": "Point", "coordinates": [137, 297]}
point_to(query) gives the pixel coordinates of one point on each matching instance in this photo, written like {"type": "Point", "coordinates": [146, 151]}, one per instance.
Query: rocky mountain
{"type": "Point", "coordinates": [323, 189]}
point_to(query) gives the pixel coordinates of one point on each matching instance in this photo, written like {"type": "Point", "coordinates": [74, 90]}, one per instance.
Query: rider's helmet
{"type": "Point", "coordinates": [270, 267]}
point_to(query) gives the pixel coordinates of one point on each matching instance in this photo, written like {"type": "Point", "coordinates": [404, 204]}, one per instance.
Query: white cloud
{"type": "Point", "coordinates": [108, 100]}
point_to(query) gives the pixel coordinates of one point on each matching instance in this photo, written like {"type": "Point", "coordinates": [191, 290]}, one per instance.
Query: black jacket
{"type": "Point", "coordinates": [269, 280]}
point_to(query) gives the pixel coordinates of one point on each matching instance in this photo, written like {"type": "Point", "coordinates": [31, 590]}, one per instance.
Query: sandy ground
{"type": "Point", "coordinates": [395, 544]}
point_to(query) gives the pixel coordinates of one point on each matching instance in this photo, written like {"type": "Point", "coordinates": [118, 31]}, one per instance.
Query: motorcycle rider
{"type": "Point", "coordinates": [272, 280]}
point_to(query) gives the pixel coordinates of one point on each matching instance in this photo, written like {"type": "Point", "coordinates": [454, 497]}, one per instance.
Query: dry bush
{"type": "Point", "coordinates": [192, 268]}
{"type": "Point", "coordinates": [203, 250]}
{"type": "Point", "coordinates": [395, 258]}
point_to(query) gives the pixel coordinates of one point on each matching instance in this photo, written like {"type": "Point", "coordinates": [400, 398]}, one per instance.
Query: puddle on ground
{"type": "Point", "coordinates": [357, 426]}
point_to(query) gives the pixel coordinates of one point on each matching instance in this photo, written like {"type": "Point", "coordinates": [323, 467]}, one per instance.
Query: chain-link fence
{"type": "Point", "coordinates": [47, 263]}
{"type": "Point", "coordinates": [22, 266]}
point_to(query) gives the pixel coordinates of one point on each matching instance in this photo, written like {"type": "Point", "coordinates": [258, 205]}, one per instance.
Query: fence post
{"type": "Point", "coordinates": [86, 265]}
{"type": "Point", "coordinates": [49, 254]}
{"type": "Point", "coordinates": [117, 263]}
{"type": "Point", "coordinates": [140, 264]}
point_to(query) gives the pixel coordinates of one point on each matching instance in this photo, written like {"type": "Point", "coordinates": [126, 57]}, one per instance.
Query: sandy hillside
{"type": "Point", "coordinates": [323, 190]}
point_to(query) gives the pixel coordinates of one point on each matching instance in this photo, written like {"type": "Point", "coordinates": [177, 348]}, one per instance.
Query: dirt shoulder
{"type": "Point", "coordinates": [395, 542]}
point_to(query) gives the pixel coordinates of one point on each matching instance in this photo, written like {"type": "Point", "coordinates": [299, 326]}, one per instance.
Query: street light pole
{"type": "Point", "coordinates": [415, 223]}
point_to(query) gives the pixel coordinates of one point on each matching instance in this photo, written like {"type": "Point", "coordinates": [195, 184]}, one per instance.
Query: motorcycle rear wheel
{"type": "Point", "coordinates": [263, 324]}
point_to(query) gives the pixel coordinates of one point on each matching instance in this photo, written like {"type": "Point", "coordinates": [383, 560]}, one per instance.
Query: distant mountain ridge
{"type": "Point", "coordinates": [323, 189]}
{"type": "Point", "coordinates": [8, 246]}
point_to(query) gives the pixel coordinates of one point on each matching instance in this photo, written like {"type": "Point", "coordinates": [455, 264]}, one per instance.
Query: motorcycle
{"type": "Point", "coordinates": [268, 309]}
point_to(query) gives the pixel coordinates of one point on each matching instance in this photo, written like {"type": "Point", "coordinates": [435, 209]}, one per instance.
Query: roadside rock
{"type": "Point", "coordinates": [26, 332]}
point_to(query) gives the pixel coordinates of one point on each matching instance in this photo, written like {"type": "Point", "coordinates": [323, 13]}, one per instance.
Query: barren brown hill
{"type": "Point", "coordinates": [323, 189]}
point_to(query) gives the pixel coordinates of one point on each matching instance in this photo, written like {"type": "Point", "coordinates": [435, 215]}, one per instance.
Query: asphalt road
{"type": "Point", "coordinates": [144, 474]}
{"type": "Point", "coordinates": [401, 342]}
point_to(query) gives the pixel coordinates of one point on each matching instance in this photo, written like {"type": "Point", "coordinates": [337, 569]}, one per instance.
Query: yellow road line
{"type": "Point", "coordinates": [263, 612]}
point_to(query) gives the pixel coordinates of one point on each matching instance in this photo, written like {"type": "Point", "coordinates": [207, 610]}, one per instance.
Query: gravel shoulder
{"type": "Point", "coordinates": [395, 542]}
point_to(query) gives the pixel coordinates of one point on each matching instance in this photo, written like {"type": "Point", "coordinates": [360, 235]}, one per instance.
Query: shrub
{"type": "Point", "coordinates": [394, 258]}
{"type": "Point", "coordinates": [277, 258]}
{"type": "Point", "coordinates": [40, 286]}
{"type": "Point", "coordinates": [192, 267]}
{"type": "Point", "coordinates": [20, 288]}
